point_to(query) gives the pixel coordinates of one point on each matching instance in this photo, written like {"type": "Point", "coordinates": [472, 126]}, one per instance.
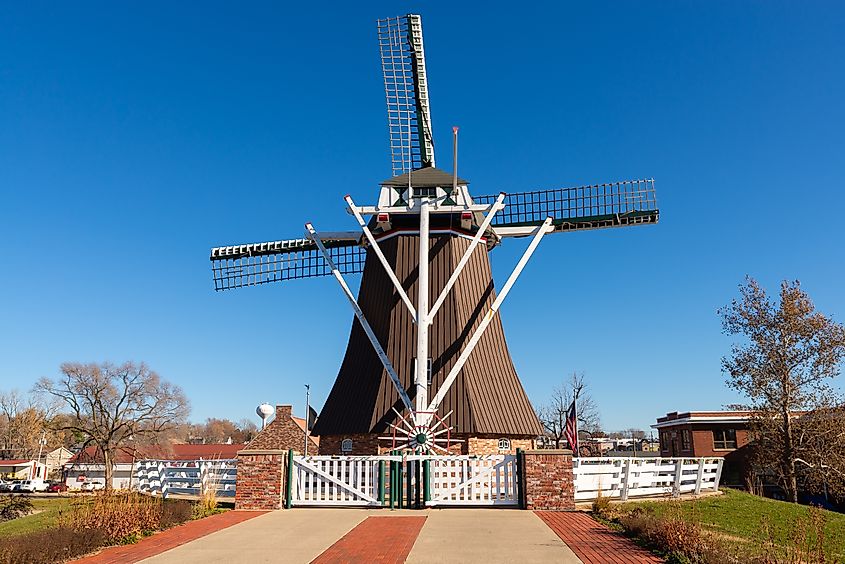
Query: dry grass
{"type": "Point", "coordinates": [121, 517]}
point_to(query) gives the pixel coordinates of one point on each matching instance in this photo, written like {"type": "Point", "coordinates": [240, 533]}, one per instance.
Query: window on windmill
{"type": "Point", "coordinates": [428, 370]}
{"type": "Point", "coordinates": [425, 192]}
{"type": "Point", "coordinates": [346, 445]}
{"type": "Point", "coordinates": [504, 444]}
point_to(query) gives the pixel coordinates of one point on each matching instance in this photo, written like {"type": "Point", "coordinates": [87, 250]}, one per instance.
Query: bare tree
{"type": "Point", "coordinates": [552, 414]}
{"type": "Point", "coordinates": [112, 405]}
{"type": "Point", "coordinates": [24, 425]}
{"type": "Point", "coordinates": [216, 430]}
{"type": "Point", "coordinates": [784, 366]}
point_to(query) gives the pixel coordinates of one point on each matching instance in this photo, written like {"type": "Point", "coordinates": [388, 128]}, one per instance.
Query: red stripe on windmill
{"type": "Point", "coordinates": [426, 315]}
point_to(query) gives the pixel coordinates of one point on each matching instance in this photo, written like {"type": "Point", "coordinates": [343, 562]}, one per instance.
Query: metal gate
{"type": "Point", "coordinates": [403, 481]}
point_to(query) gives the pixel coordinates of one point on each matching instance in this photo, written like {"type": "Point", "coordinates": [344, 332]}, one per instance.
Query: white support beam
{"type": "Point", "coordinates": [488, 317]}
{"type": "Point", "coordinates": [415, 209]}
{"type": "Point", "coordinates": [421, 376]}
{"type": "Point", "coordinates": [311, 233]}
{"type": "Point", "coordinates": [377, 250]}
{"type": "Point", "coordinates": [465, 258]}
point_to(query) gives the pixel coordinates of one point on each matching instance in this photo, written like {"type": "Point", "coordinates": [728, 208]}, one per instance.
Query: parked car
{"type": "Point", "coordinates": [92, 486]}
{"type": "Point", "coordinates": [13, 486]}
{"type": "Point", "coordinates": [57, 487]}
{"type": "Point", "coordinates": [32, 486]}
{"type": "Point", "coordinates": [5, 486]}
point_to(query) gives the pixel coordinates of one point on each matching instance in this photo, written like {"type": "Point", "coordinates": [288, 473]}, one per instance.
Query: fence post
{"type": "Point", "coordinates": [410, 484]}
{"type": "Point", "coordinates": [718, 474]}
{"type": "Point", "coordinates": [700, 476]}
{"type": "Point", "coordinates": [392, 481]}
{"type": "Point", "coordinates": [289, 481]}
{"type": "Point", "coordinates": [623, 495]}
{"type": "Point", "coordinates": [520, 493]}
{"type": "Point", "coordinates": [381, 482]}
{"type": "Point", "coordinates": [679, 472]}
{"type": "Point", "coordinates": [426, 481]}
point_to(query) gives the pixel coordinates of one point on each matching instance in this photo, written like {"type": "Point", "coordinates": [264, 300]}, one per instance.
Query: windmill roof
{"type": "Point", "coordinates": [428, 177]}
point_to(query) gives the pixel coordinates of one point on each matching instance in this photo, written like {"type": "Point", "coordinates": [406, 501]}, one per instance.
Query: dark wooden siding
{"type": "Point", "coordinates": [487, 396]}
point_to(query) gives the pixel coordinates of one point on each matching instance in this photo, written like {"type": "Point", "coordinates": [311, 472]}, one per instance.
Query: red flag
{"type": "Point", "coordinates": [571, 430]}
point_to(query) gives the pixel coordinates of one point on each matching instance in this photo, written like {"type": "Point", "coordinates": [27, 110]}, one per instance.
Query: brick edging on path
{"type": "Point", "coordinates": [168, 539]}
{"type": "Point", "coordinates": [592, 542]}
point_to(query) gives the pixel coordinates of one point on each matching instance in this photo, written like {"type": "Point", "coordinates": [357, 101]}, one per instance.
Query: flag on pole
{"type": "Point", "coordinates": [571, 430]}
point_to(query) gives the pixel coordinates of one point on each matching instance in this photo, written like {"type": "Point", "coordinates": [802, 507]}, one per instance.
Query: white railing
{"type": "Point", "coordinates": [622, 478]}
{"type": "Point", "coordinates": [186, 477]}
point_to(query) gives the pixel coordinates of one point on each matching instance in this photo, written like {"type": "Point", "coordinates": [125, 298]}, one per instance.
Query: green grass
{"type": "Point", "coordinates": [48, 510]}
{"type": "Point", "coordinates": [739, 515]}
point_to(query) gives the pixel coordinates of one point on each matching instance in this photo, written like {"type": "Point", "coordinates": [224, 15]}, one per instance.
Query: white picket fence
{"type": "Point", "coordinates": [336, 480]}
{"type": "Point", "coordinates": [623, 478]}
{"type": "Point", "coordinates": [186, 477]}
{"type": "Point", "coordinates": [474, 480]}
{"type": "Point", "coordinates": [355, 480]}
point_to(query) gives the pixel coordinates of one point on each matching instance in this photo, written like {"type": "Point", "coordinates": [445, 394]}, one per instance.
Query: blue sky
{"type": "Point", "coordinates": [134, 138]}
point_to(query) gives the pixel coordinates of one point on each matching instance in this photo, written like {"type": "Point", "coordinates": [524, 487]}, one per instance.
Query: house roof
{"type": "Point", "coordinates": [675, 418]}
{"type": "Point", "coordinates": [428, 177]}
{"type": "Point", "coordinates": [16, 462]}
{"type": "Point", "coordinates": [168, 452]}
{"type": "Point", "coordinates": [301, 422]}
{"type": "Point", "coordinates": [697, 417]}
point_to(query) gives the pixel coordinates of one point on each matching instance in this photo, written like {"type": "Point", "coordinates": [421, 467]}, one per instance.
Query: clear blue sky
{"type": "Point", "coordinates": [133, 139]}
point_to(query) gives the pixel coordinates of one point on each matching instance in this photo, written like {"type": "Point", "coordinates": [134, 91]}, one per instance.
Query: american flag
{"type": "Point", "coordinates": [571, 430]}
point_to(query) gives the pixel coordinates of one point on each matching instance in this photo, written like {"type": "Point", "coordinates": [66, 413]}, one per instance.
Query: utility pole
{"type": "Point", "coordinates": [307, 414]}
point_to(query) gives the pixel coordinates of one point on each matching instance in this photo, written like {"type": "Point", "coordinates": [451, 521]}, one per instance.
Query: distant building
{"type": "Point", "coordinates": [56, 459]}
{"type": "Point", "coordinates": [708, 433]}
{"type": "Point", "coordinates": [22, 469]}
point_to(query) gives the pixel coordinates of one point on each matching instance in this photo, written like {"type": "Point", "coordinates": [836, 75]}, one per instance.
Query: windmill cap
{"type": "Point", "coordinates": [428, 177]}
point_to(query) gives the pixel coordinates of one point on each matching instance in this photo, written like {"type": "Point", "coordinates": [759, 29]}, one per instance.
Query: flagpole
{"type": "Point", "coordinates": [575, 421]}
{"type": "Point", "coordinates": [307, 414]}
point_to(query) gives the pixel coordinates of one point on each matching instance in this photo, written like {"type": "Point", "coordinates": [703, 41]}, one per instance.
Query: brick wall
{"type": "Point", "coordinates": [489, 444]}
{"type": "Point", "coordinates": [260, 479]}
{"type": "Point", "coordinates": [548, 480]}
{"type": "Point", "coordinates": [701, 438]}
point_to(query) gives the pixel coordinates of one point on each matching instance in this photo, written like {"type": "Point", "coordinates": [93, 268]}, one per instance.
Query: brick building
{"type": "Point", "coordinates": [708, 433]}
{"type": "Point", "coordinates": [261, 462]}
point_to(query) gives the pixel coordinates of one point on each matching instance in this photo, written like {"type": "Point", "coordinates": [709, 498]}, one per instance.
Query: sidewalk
{"type": "Point", "coordinates": [431, 536]}
{"type": "Point", "coordinates": [446, 535]}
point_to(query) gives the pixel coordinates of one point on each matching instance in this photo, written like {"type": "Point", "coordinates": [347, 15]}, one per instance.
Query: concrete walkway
{"type": "Point", "coordinates": [448, 535]}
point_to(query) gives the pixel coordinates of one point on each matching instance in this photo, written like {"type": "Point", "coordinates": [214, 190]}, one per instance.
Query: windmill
{"type": "Point", "coordinates": [426, 312]}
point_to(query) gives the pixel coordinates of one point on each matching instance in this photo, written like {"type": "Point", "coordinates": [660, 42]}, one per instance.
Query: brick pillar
{"type": "Point", "coordinates": [260, 479]}
{"type": "Point", "coordinates": [547, 480]}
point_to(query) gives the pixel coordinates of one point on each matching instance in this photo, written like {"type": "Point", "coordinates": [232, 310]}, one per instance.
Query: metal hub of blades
{"type": "Point", "coordinates": [421, 432]}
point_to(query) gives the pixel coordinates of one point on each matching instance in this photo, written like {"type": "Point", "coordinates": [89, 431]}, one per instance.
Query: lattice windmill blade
{"type": "Point", "coordinates": [406, 91]}
{"type": "Point", "coordinates": [275, 261]}
{"type": "Point", "coordinates": [597, 206]}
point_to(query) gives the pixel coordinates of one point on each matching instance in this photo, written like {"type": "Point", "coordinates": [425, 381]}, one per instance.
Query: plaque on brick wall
{"type": "Point", "coordinates": [346, 445]}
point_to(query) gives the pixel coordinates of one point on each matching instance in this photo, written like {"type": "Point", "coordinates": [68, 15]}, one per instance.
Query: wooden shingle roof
{"type": "Point", "coordinates": [428, 177]}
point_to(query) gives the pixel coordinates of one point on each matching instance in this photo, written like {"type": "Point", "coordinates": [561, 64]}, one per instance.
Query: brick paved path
{"type": "Point", "coordinates": [376, 539]}
{"type": "Point", "coordinates": [593, 542]}
{"type": "Point", "coordinates": [171, 538]}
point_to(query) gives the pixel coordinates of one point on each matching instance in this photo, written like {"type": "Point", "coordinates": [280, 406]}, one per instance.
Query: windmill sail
{"type": "Point", "coordinates": [616, 204]}
{"type": "Point", "coordinates": [406, 90]}
{"type": "Point", "coordinates": [274, 261]}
